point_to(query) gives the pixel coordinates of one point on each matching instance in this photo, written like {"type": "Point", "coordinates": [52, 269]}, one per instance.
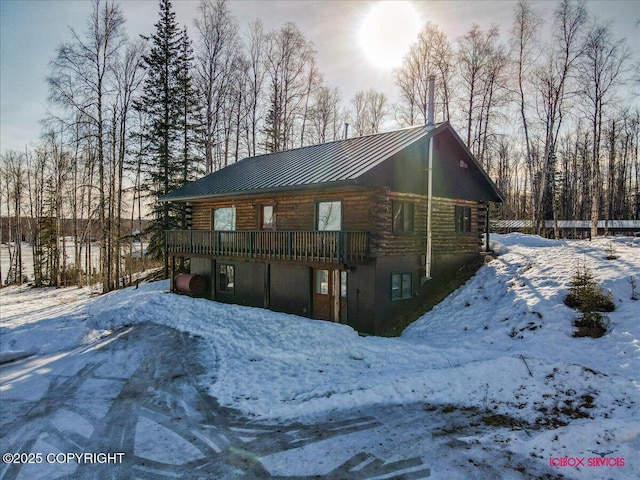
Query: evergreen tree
{"type": "Point", "coordinates": [274, 137]}
{"type": "Point", "coordinates": [187, 99]}
{"type": "Point", "coordinates": [188, 104]}
{"type": "Point", "coordinates": [161, 102]}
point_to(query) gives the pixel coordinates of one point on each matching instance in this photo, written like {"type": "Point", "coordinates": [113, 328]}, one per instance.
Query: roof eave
{"type": "Point", "coordinates": [261, 191]}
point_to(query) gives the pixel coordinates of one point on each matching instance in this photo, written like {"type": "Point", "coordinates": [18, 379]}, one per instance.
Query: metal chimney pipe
{"type": "Point", "coordinates": [429, 182]}
{"type": "Point", "coordinates": [430, 106]}
{"type": "Point", "coordinates": [346, 131]}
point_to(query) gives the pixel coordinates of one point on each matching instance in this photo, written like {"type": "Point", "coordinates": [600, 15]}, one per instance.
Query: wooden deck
{"type": "Point", "coordinates": [306, 246]}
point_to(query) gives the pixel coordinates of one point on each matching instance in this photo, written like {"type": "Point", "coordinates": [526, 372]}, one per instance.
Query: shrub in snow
{"type": "Point", "coordinates": [611, 252]}
{"type": "Point", "coordinates": [588, 298]}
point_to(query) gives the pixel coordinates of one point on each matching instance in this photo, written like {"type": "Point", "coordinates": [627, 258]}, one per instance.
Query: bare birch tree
{"type": "Point", "coordinates": [79, 82]}
{"type": "Point", "coordinates": [431, 54]}
{"type": "Point", "coordinates": [474, 52]}
{"type": "Point", "coordinates": [290, 70]}
{"type": "Point", "coordinates": [525, 49]}
{"type": "Point", "coordinates": [326, 116]}
{"type": "Point", "coordinates": [13, 182]}
{"type": "Point", "coordinates": [216, 47]}
{"type": "Point", "coordinates": [601, 72]}
{"type": "Point", "coordinates": [552, 78]}
{"type": "Point", "coordinates": [370, 108]}
{"type": "Point", "coordinates": [253, 97]}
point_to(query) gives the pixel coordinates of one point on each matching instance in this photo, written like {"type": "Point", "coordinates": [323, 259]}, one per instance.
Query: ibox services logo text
{"type": "Point", "coordinates": [602, 460]}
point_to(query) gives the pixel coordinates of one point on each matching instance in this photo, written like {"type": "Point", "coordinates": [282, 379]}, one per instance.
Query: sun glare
{"type": "Point", "coordinates": [387, 31]}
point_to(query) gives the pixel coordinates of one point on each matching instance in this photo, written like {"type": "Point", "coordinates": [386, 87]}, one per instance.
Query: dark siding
{"type": "Point", "coordinates": [446, 266]}
{"type": "Point", "coordinates": [452, 179]}
{"type": "Point", "coordinates": [290, 289]}
{"type": "Point", "coordinates": [250, 283]}
{"type": "Point", "coordinates": [369, 305]}
{"type": "Point", "coordinates": [361, 298]}
{"type": "Point", "coordinates": [388, 310]}
{"type": "Point", "coordinates": [204, 267]}
{"type": "Point", "coordinates": [403, 172]}
{"type": "Point", "coordinates": [406, 171]}
{"type": "Point", "coordinates": [248, 287]}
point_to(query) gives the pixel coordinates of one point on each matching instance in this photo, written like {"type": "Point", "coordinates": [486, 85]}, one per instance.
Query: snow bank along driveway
{"type": "Point", "coordinates": [489, 384]}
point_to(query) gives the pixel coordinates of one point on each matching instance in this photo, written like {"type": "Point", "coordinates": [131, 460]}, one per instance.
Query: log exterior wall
{"type": "Point", "coordinates": [362, 210]}
{"type": "Point", "coordinates": [294, 211]}
{"type": "Point", "coordinates": [445, 239]}
{"type": "Point", "coordinates": [285, 285]}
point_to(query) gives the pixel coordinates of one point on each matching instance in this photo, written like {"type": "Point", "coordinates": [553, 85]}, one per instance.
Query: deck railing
{"type": "Point", "coordinates": [308, 246]}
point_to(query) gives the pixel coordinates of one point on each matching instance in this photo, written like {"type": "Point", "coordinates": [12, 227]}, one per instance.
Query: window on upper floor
{"type": "Point", "coordinates": [268, 217]}
{"type": "Point", "coordinates": [329, 215]}
{"type": "Point", "coordinates": [224, 218]}
{"type": "Point", "coordinates": [402, 217]}
{"type": "Point", "coordinates": [463, 219]}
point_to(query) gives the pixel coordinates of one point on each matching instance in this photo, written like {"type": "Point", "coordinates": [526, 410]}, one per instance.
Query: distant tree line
{"type": "Point", "coordinates": [134, 118]}
{"type": "Point", "coordinates": [551, 121]}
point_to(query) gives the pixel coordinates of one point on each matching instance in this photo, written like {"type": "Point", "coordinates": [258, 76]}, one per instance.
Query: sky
{"type": "Point", "coordinates": [31, 30]}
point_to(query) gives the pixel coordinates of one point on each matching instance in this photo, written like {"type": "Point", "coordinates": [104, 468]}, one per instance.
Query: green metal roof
{"type": "Point", "coordinates": [340, 162]}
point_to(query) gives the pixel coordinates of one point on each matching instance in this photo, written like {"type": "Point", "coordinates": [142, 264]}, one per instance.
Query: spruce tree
{"type": "Point", "coordinates": [187, 99]}
{"type": "Point", "coordinates": [188, 121]}
{"type": "Point", "coordinates": [160, 102]}
{"type": "Point", "coordinates": [274, 137]}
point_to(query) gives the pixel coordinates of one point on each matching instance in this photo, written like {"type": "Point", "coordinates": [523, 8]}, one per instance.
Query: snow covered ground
{"type": "Point", "coordinates": [489, 384]}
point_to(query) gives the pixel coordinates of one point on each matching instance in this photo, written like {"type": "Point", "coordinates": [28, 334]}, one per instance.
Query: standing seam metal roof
{"type": "Point", "coordinates": [341, 161]}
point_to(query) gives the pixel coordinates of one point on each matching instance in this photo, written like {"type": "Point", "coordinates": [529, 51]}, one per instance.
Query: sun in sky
{"type": "Point", "coordinates": [387, 31]}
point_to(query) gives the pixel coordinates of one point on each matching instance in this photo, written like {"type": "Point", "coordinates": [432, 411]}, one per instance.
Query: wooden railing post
{"type": "Point", "coordinates": [301, 245]}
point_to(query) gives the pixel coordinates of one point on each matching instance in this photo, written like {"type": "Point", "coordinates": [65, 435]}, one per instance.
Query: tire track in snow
{"type": "Point", "coordinates": [140, 394]}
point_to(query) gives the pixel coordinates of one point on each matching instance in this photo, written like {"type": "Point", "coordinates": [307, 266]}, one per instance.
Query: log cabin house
{"type": "Point", "coordinates": [357, 231]}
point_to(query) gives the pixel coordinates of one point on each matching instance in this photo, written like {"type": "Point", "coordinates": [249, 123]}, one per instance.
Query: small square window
{"type": "Point", "coordinates": [402, 217]}
{"type": "Point", "coordinates": [401, 286]}
{"type": "Point", "coordinates": [226, 278]}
